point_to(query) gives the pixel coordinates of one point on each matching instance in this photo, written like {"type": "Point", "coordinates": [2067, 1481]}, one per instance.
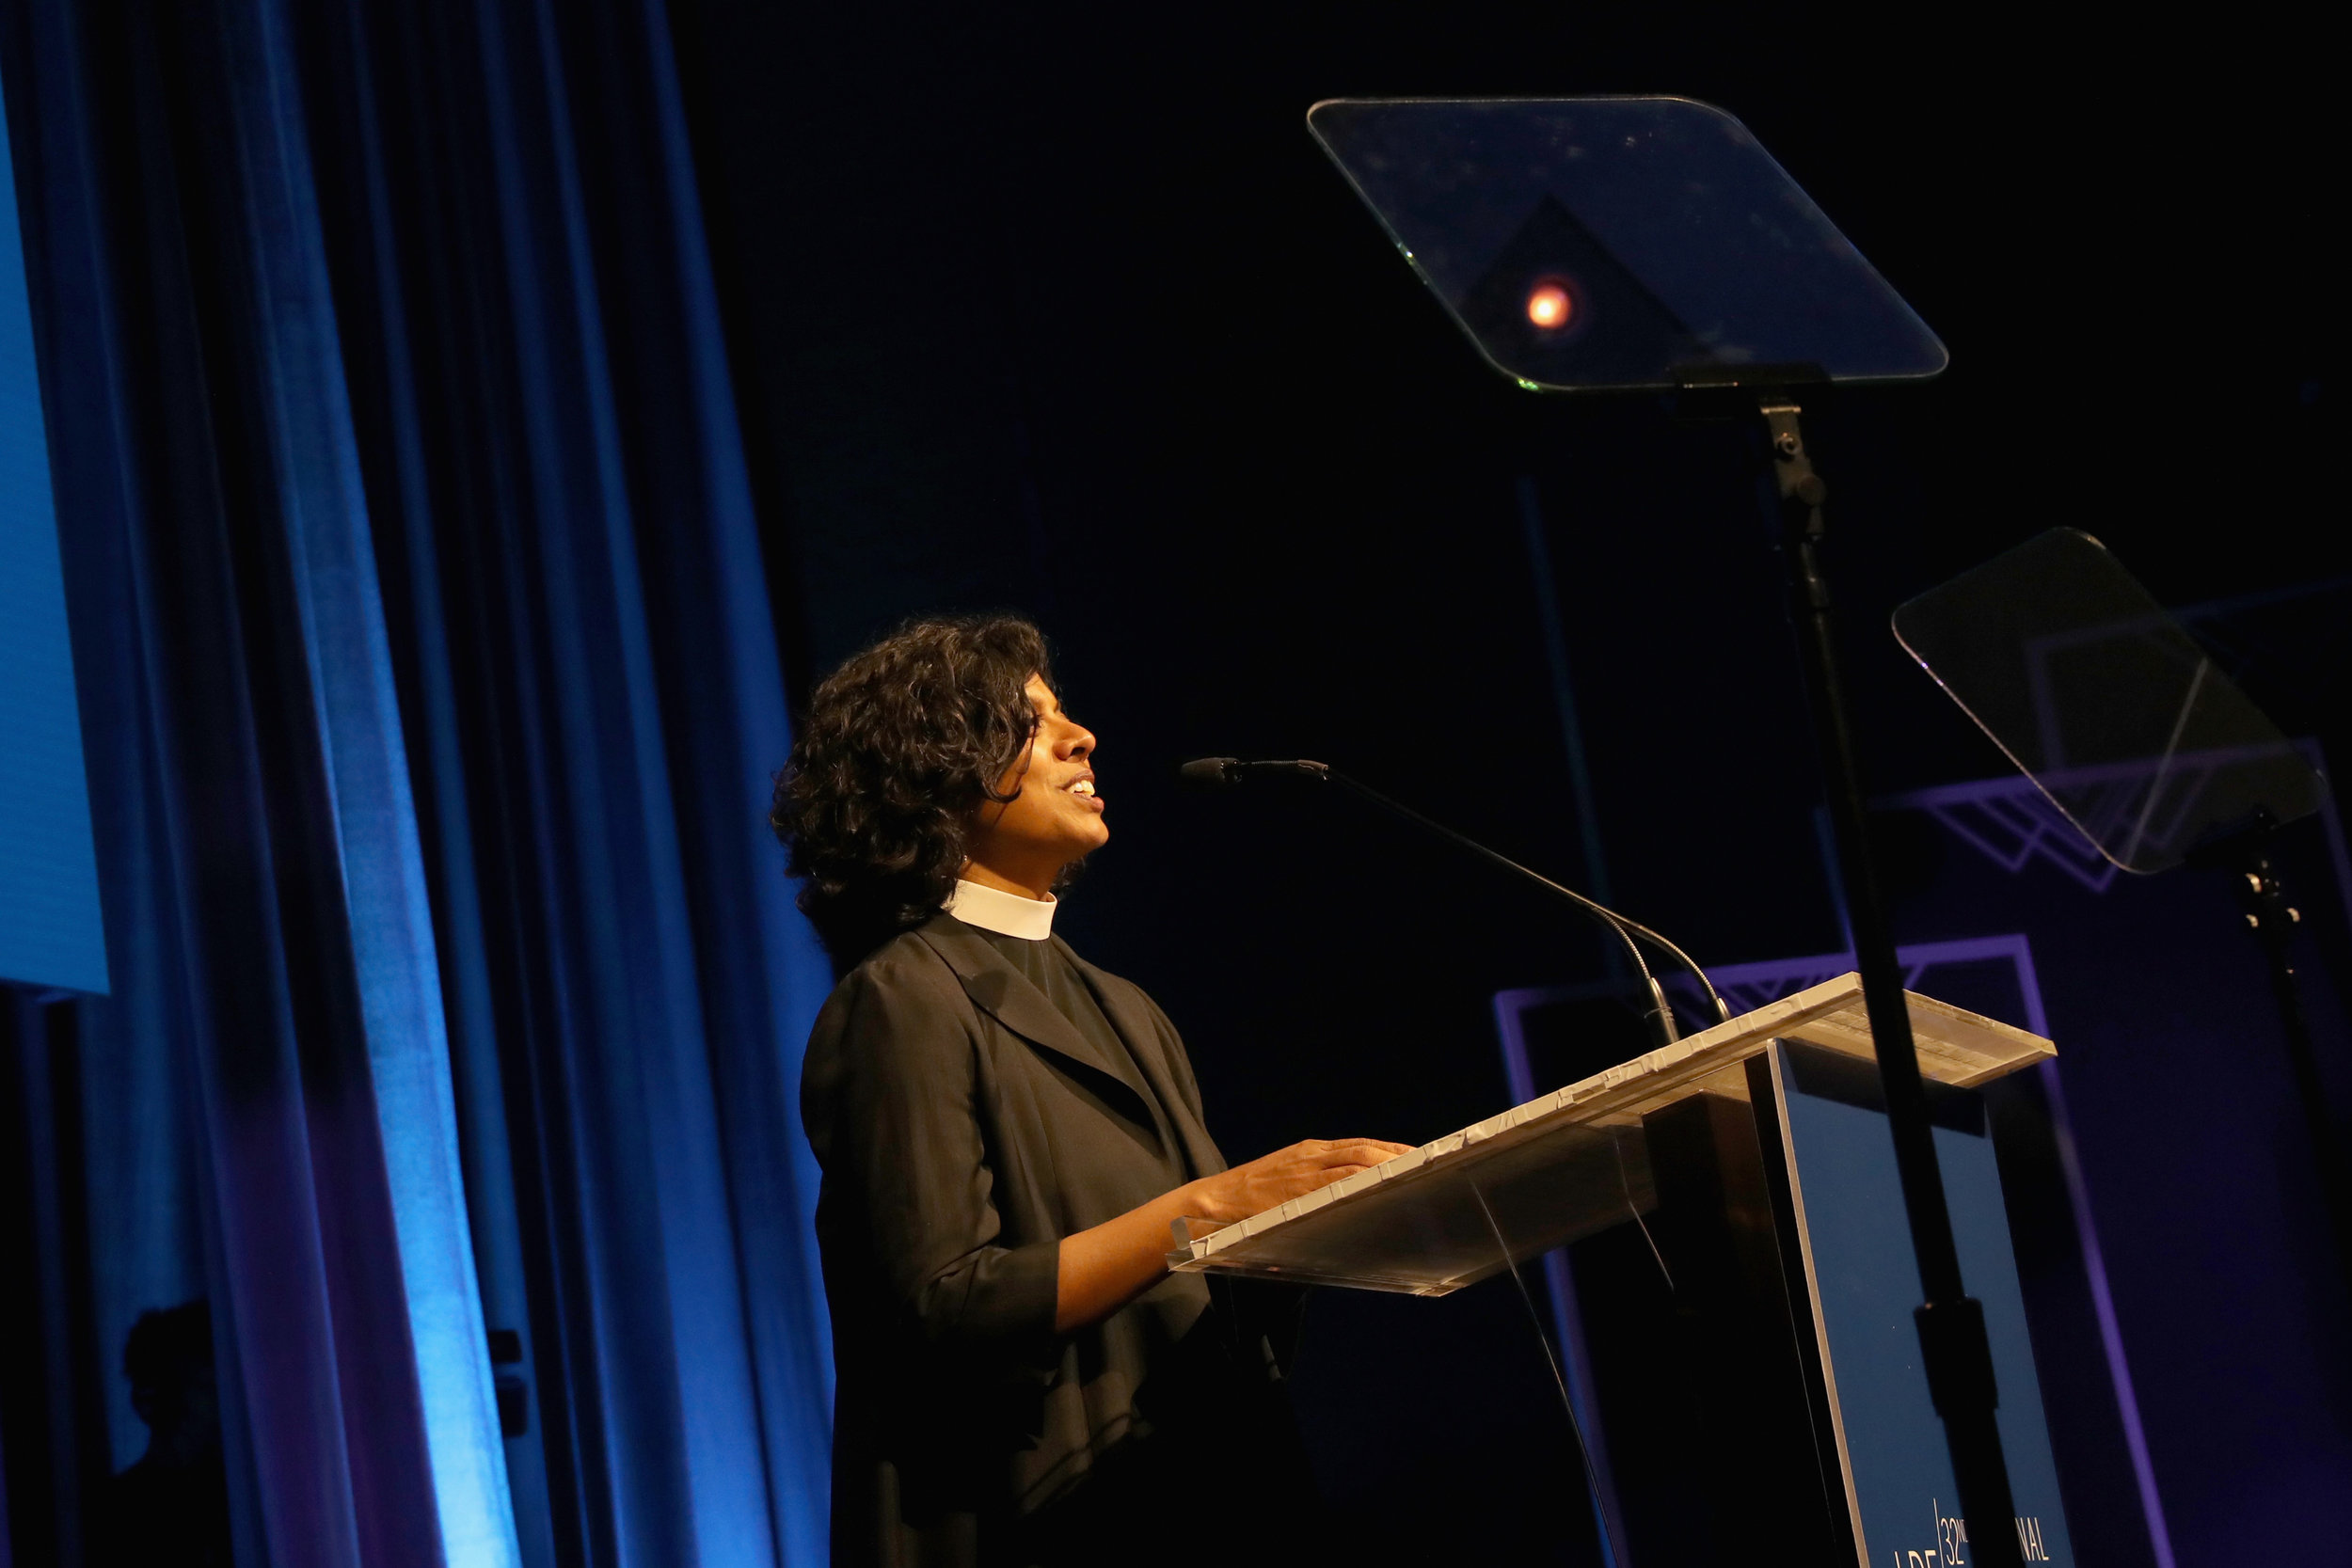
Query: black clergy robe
{"type": "Point", "coordinates": [973, 1098]}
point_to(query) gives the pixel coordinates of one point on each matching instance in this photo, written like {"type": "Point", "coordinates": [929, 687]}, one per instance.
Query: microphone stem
{"type": "Point", "coordinates": [1626, 929]}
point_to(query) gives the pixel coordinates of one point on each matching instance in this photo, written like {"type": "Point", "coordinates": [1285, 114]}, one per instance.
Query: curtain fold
{"type": "Point", "coordinates": [232, 640]}
{"type": "Point", "coordinates": [433, 699]}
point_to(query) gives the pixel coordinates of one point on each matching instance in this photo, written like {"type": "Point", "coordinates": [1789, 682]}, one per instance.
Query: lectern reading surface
{"type": "Point", "coordinates": [1566, 1164]}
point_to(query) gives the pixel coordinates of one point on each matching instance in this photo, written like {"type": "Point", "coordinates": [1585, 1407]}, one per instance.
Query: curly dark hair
{"type": "Point", "coordinates": [900, 745]}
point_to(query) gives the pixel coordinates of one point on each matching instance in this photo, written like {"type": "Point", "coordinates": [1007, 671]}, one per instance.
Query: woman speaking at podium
{"type": "Point", "coordinates": [1006, 1134]}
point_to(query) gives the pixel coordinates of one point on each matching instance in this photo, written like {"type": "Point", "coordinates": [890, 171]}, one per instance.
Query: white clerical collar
{"type": "Point", "coordinates": [1007, 914]}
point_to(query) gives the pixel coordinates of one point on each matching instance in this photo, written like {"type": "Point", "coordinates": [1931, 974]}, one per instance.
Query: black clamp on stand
{"type": "Point", "coordinates": [1955, 1352]}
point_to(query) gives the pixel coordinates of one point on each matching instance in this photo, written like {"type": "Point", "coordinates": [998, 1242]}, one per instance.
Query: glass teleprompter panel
{"type": "Point", "coordinates": [1600, 244]}
{"type": "Point", "coordinates": [2114, 711]}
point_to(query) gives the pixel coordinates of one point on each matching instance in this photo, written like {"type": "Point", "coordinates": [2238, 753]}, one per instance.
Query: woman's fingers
{"type": "Point", "coordinates": [1303, 1167]}
{"type": "Point", "coordinates": [1356, 1150]}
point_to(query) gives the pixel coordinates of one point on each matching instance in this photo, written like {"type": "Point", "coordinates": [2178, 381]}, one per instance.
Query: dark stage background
{"type": "Point", "coordinates": [431, 388]}
{"type": "Point", "coordinates": [1061, 310]}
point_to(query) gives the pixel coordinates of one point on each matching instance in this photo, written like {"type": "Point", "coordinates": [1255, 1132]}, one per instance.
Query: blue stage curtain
{"type": "Point", "coordinates": [433, 699]}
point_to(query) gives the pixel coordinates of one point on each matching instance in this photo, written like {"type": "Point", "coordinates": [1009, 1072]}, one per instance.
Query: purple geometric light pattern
{"type": "Point", "coordinates": [2013, 823]}
{"type": "Point", "coordinates": [1745, 987]}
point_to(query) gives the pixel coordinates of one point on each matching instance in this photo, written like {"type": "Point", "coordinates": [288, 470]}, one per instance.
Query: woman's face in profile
{"type": "Point", "coordinates": [1055, 815]}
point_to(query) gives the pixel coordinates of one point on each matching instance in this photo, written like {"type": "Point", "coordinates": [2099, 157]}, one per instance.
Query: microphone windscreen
{"type": "Point", "coordinates": [1211, 772]}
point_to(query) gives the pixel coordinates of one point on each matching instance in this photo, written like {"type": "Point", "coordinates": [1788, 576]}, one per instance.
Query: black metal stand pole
{"type": "Point", "coordinates": [2273, 921]}
{"type": "Point", "coordinates": [1952, 1343]}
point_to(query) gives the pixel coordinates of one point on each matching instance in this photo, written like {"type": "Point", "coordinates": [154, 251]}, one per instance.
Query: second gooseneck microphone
{"type": "Point", "coordinates": [1226, 772]}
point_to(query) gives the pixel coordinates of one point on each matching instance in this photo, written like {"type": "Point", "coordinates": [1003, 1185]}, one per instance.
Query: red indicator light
{"type": "Point", "coordinates": [1550, 306]}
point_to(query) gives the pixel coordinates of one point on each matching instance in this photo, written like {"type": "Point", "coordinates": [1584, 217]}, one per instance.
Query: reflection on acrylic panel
{"type": "Point", "coordinates": [2100, 697]}
{"type": "Point", "coordinates": [1590, 243]}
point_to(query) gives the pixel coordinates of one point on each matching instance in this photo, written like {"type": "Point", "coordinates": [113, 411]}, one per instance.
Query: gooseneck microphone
{"type": "Point", "coordinates": [1226, 772]}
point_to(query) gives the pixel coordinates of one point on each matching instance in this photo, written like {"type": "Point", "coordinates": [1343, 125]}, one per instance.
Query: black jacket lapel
{"type": "Point", "coordinates": [1006, 995]}
{"type": "Point", "coordinates": [1145, 1044]}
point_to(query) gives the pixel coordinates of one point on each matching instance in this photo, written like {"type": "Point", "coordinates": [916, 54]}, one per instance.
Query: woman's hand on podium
{"type": "Point", "coordinates": [1285, 1174]}
{"type": "Point", "coordinates": [1101, 1269]}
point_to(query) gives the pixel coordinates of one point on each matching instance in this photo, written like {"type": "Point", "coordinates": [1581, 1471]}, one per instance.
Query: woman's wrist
{"type": "Point", "coordinates": [1197, 1200]}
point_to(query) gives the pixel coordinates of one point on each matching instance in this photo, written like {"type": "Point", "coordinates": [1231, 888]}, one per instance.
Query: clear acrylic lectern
{"type": "Point", "coordinates": [1753, 1161]}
